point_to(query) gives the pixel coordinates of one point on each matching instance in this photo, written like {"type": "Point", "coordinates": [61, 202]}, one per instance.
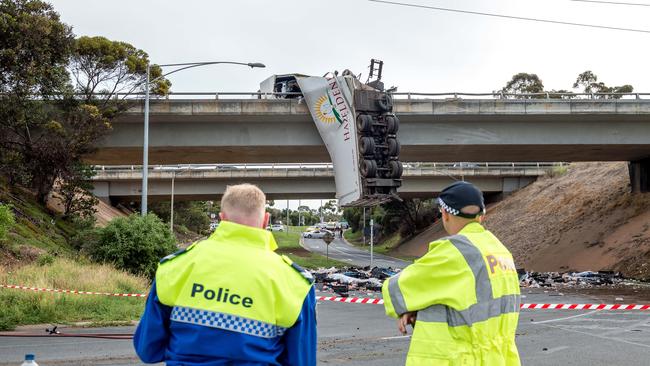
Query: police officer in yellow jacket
{"type": "Point", "coordinates": [230, 299]}
{"type": "Point", "coordinates": [462, 297]}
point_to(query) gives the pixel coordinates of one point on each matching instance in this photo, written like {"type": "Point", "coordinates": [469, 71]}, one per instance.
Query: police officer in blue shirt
{"type": "Point", "coordinates": [230, 299]}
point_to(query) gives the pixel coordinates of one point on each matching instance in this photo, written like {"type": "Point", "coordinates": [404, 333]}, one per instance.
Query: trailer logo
{"type": "Point", "coordinates": [326, 111]}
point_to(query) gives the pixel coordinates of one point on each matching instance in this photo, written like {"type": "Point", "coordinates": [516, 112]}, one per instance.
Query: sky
{"type": "Point", "coordinates": [423, 50]}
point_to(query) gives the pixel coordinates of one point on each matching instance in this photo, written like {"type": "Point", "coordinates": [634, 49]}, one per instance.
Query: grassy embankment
{"type": "Point", "coordinates": [289, 244]}
{"type": "Point", "coordinates": [26, 307]}
{"type": "Point", "coordinates": [36, 253]}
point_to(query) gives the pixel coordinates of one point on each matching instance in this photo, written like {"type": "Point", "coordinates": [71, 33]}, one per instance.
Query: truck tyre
{"type": "Point", "coordinates": [369, 168]}
{"type": "Point", "coordinates": [396, 169]}
{"type": "Point", "coordinates": [392, 124]}
{"type": "Point", "coordinates": [367, 146]}
{"type": "Point", "coordinates": [364, 123]}
{"type": "Point", "coordinates": [394, 147]}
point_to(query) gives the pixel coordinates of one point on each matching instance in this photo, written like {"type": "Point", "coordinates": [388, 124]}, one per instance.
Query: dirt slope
{"type": "Point", "coordinates": [585, 219]}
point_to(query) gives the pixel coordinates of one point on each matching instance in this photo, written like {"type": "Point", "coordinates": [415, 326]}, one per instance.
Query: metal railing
{"type": "Point", "coordinates": [401, 95]}
{"type": "Point", "coordinates": [325, 167]}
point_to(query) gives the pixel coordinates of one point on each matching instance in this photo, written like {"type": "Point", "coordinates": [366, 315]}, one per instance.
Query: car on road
{"type": "Point", "coordinates": [317, 234]}
{"type": "Point", "coordinates": [275, 227]}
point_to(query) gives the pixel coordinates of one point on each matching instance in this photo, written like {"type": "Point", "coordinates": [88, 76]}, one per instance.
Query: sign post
{"type": "Point", "coordinates": [372, 231]}
{"type": "Point", "coordinates": [328, 238]}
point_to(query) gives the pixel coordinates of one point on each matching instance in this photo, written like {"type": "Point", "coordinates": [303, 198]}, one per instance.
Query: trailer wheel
{"type": "Point", "coordinates": [367, 146]}
{"type": "Point", "coordinates": [392, 124]}
{"type": "Point", "coordinates": [396, 169]}
{"type": "Point", "coordinates": [394, 147]}
{"type": "Point", "coordinates": [369, 168]}
{"type": "Point", "coordinates": [364, 123]}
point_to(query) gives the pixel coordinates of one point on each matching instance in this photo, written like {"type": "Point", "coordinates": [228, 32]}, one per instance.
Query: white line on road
{"type": "Point", "coordinates": [396, 337]}
{"type": "Point", "coordinates": [568, 317]}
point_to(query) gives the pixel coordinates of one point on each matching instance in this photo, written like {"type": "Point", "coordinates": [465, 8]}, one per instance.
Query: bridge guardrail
{"type": "Point", "coordinates": [286, 170]}
{"type": "Point", "coordinates": [401, 95]}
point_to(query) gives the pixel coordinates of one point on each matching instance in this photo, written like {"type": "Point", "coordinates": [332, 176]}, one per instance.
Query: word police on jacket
{"type": "Point", "coordinates": [221, 295]}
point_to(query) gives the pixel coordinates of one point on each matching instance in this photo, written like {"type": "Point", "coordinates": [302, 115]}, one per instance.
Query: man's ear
{"type": "Point", "coordinates": [265, 222]}
{"type": "Point", "coordinates": [222, 216]}
{"type": "Point", "coordinates": [445, 216]}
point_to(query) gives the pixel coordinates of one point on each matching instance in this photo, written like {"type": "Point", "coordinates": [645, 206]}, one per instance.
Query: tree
{"type": "Point", "coordinates": [135, 243]}
{"type": "Point", "coordinates": [36, 47]}
{"type": "Point", "coordinates": [588, 82]}
{"type": "Point", "coordinates": [524, 83]}
{"type": "Point", "coordinates": [194, 215]}
{"type": "Point", "coordinates": [45, 130]}
{"type": "Point", "coordinates": [408, 217]}
{"type": "Point", "coordinates": [99, 65]}
{"type": "Point", "coordinates": [75, 193]}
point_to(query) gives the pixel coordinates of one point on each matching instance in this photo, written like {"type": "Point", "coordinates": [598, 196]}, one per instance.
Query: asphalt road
{"type": "Point", "coordinates": [344, 252]}
{"type": "Point", "coordinates": [356, 334]}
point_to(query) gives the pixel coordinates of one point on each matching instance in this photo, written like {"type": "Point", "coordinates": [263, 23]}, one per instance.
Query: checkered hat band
{"type": "Point", "coordinates": [224, 321]}
{"type": "Point", "coordinates": [445, 207]}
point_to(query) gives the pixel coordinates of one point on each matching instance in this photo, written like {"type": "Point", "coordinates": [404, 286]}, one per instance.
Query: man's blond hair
{"type": "Point", "coordinates": [243, 201]}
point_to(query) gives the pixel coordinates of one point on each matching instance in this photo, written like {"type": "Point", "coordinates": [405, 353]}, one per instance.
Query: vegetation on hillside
{"type": "Point", "coordinates": [25, 307]}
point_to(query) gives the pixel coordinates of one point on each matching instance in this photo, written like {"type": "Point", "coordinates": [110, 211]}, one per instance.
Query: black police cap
{"type": "Point", "coordinates": [461, 194]}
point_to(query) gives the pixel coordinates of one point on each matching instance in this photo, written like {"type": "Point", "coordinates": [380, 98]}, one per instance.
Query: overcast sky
{"type": "Point", "coordinates": [423, 50]}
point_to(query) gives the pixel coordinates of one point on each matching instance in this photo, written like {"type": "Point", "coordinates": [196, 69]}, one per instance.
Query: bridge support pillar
{"type": "Point", "coordinates": [640, 175]}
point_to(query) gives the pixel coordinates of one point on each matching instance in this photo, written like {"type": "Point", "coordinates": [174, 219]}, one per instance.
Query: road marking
{"type": "Point", "coordinates": [568, 317]}
{"type": "Point", "coordinates": [396, 337]}
{"type": "Point", "coordinates": [596, 335]}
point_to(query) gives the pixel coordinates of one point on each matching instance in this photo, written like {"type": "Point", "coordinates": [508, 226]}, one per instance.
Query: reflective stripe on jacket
{"type": "Point", "coordinates": [465, 291]}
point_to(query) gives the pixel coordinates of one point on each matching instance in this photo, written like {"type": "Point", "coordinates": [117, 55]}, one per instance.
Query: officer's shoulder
{"type": "Point", "coordinates": [303, 272]}
{"type": "Point", "coordinates": [446, 244]}
{"type": "Point", "coordinates": [178, 253]}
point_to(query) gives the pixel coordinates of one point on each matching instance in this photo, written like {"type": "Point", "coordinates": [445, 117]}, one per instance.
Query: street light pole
{"type": "Point", "coordinates": [145, 147]}
{"type": "Point", "coordinates": [171, 211]}
{"type": "Point", "coordinates": [145, 152]}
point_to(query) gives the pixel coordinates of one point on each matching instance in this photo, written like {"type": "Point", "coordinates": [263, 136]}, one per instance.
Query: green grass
{"type": "Point", "coordinates": [34, 226]}
{"type": "Point", "coordinates": [21, 307]}
{"type": "Point", "coordinates": [289, 244]}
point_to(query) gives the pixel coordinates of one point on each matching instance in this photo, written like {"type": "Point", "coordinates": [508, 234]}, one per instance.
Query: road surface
{"type": "Point", "coordinates": [340, 250]}
{"type": "Point", "coordinates": [357, 334]}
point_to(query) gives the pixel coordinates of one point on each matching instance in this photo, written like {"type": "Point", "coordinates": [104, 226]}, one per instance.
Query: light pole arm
{"type": "Point", "coordinates": [197, 64]}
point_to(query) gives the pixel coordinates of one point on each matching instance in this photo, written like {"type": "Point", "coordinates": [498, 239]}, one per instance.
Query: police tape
{"type": "Point", "coordinates": [71, 291]}
{"type": "Point", "coordinates": [368, 300]}
{"type": "Point", "coordinates": [351, 300]}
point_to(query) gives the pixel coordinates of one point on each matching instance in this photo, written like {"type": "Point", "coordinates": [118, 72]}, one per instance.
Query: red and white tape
{"type": "Point", "coordinates": [71, 291]}
{"type": "Point", "coordinates": [367, 300]}
{"type": "Point", "coordinates": [587, 306]}
{"type": "Point", "coordinates": [351, 300]}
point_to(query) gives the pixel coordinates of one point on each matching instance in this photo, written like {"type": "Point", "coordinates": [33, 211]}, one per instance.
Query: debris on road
{"type": "Point", "coordinates": [570, 279]}
{"type": "Point", "coordinates": [347, 279]}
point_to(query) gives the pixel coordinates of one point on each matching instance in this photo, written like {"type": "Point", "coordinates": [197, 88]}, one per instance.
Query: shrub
{"type": "Point", "coordinates": [135, 244]}
{"type": "Point", "coordinates": [44, 260]}
{"type": "Point", "coordinates": [7, 220]}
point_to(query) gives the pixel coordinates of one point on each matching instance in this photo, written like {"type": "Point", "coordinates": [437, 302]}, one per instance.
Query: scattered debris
{"type": "Point", "coordinates": [341, 281]}
{"type": "Point", "coordinates": [569, 279]}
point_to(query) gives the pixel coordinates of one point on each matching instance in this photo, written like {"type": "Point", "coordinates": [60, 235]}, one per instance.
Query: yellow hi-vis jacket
{"type": "Point", "coordinates": [465, 291]}
{"type": "Point", "coordinates": [234, 274]}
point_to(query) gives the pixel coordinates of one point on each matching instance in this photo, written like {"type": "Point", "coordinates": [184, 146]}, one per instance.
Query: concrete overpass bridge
{"type": "Point", "coordinates": [310, 181]}
{"type": "Point", "coordinates": [440, 130]}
